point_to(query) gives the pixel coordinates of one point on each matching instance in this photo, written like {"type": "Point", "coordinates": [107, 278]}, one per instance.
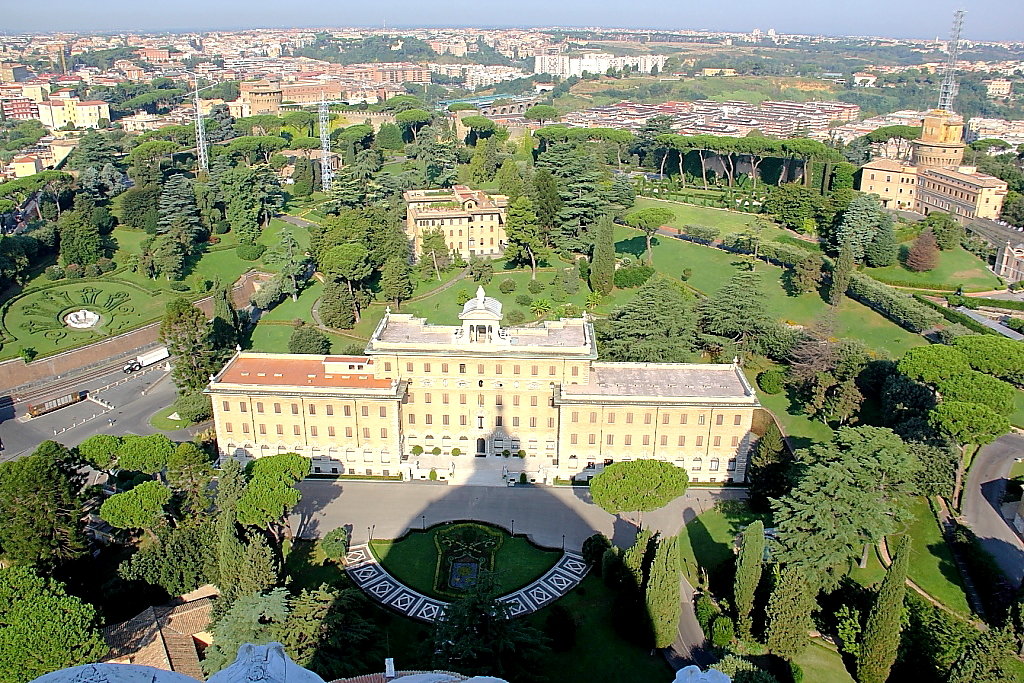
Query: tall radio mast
{"type": "Point", "coordinates": [326, 172]}
{"type": "Point", "coordinates": [948, 89]}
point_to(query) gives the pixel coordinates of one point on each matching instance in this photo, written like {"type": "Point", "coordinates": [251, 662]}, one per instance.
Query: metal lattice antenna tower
{"type": "Point", "coordinates": [201, 155]}
{"type": "Point", "coordinates": [326, 173]}
{"type": "Point", "coordinates": [949, 87]}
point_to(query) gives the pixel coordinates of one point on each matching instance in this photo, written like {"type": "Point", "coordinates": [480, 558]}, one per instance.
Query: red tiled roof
{"type": "Point", "coordinates": [297, 371]}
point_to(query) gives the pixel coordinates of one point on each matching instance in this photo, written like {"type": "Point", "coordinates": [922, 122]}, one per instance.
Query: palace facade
{"type": "Point", "coordinates": [472, 221]}
{"type": "Point", "coordinates": [481, 403]}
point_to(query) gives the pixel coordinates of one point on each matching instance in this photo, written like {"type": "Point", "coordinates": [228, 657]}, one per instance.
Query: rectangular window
{"type": "Point", "coordinates": [365, 410]}
{"type": "Point", "coordinates": [700, 441]}
{"type": "Point", "coordinates": [387, 367]}
{"type": "Point", "coordinates": [412, 419]}
{"type": "Point", "coordinates": [593, 418]}
{"type": "Point", "coordinates": [444, 420]}
{"type": "Point", "coordinates": [551, 423]}
{"type": "Point", "coordinates": [383, 411]}
{"type": "Point", "coordinates": [735, 441]}
{"type": "Point", "coordinates": [628, 439]}
{"type": "Point", "coordinates": [227, 426]}
{"type": "Point", "coordinates": [480, 369]}
{"type": "Point", "coordinates": [575, 417]}
{"type": "Point", "coordinates": [719, 418]}
{"type": "Point", "coordinates": [330, 430]}
{"type": "Point", "coordinates": [408, 367]}
{"type": "Point", "coordinates": [497, 421]}
{"type": "Point", "coordinates": [347, 410]}
{"type": "Point", "coordinates": [330, 409]}
{"type": "Point", "coordinates": [242, 407]}
{"type": "Point", "coordinates": [263, 429]}
{"type": "Point", "coordinates": [444, 399]}
{"type": "Point", "coordinates": [280, 429]}
{"type": "Point", "coordinates": [609, 439]}
{"type": "Point", "coordinates": [366, 432]}
{"type": "Point", "coordinates": [592, 439]}
{"type": "Point", "coordinates": [227, 407]}
{"type": "Point", "coordinates": [462, 368]}
{"type": "Point", "coordinates": [497, 399]}
{"type": "Point", "coordinates": [348, 432]}
{"type": "Point", "coordinates": [444, 367]}
{"type": "Point", "coordinates": [551, 370]}
{"type": "Point", "coordinates": [629, 418]}
{"type": "Point", "coordinates": [515, 400]}
{"type": "Point", "coordinates": [611, 418]}
{"type": "Point", "coordinates": [295, 409]}
{"type": "Point", "coordinates": [533, 401]}
{"type": "Point", "coordinates": [700, 419]}
{"type": "Point", "coordinates": [462, 420]}
{"type": "Point", "coordinates": [533, 422]}
{"type": "Point", "coordinates": [312, 430]}
{"type": "Point", "coordinates": [647, 439]}
{"type": "Point", "coordinates": [737, 419]}
{"type": "Point", "coordinates": [515, 421]}
{"type": "Point", "coordinates": [533, 370]}
{"type": "Point", "coordinates": [426, 367]}
{"type": "Point", "coordinates": [245, 427]}
{"type": "Point", "coordinates": [683, 418]}
{"type": "Point", "coordinates": [664, 419]}
{"type": "Point", "coordinates": [682, 440]}
{"type": "Point", "coordinates": [277, 407]}
{"type": "Point", "coordinates": [296, 430]}
{"type": "Point", "coordinates": [383, 433]}
{"type": "Point", "coordinates": [717, 441]}
{"type": "Point", "coordinates": [647, 419]}
{"type": "Point", "coordinates": [575, 371]}
{"type": "Point", "coordinates": [312, 409]}
{"type": "Point", "coordinates": [497, 369]}
{"type": "Point", "coordinates": [515, 369]}
{"type": "Point", "coordinates": [259, 407]}
{"type": "Point", "coordinates": [573, 439]}
{"type": "Point", "coordinates": [426, 398]}
{"type": "Point", "coordinates": [428, 419]}
{"type": "Point", "coordinates": [664, 439]}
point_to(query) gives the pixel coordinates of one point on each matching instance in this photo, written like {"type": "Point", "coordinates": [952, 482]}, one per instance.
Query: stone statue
{"type": "Point", "coordinates": [266, 664]}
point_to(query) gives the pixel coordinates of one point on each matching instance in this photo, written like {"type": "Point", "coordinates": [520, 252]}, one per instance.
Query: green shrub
{"type": "Point", "coordinates": [723, 632]}
{"type": "Point", "coordinates": [521, 454]}
{"type": "Point", "coordinates": [179, 286]}
{"type": "Point", "coordinates": [92, 270]}
{"type": "Point", "coordinates": [633, 276]}
{"type": "Point", "coordinates": [221, 227]}
{"type": "Point", "coordinates": [702, 233]}
{"type": "Point", "coordinates": [250, 252]}
{"type": "Point", "coordinates": [335, 543]}
{"type": "Point", "coordinates": [560, 628]}
{"type": "Point", "coordinates": [796, 673]}
{"type": "Point", "coordinates": [705, 610]}
{"type": "Point", "coordinates": [771, 381]}
{"type": "Point", "coordinates": [687, 274]}
{"type": "Point", "coordinates": [417, 450]}
{"type": "Point", "coordinates": [898, 307]}
{"type": "Point", "coordinates": [456, 452]}
{"type": "Point", "coordinates": [54, 273]}
{"type": "Point", "coordinates": [522, 477]}
{"type": "Point", "coordinates": [436, 450]}
{"type": "Point", "coordinates": [433, 474]}
{"type": "Point", "coordinates": [462, 297]}
{"type": "Point", "coordinates": [524, 300]}
{"type": "Point", "coordinates": [507, 286]}
{"type": "Point", "coordinates": [73, 271]}
{"type": "Point", "coordinates": [535, 287]}
{"type": "Point", "coordinates": [193, 407]}
{"type": "Point", "coordinates": [515, 317]}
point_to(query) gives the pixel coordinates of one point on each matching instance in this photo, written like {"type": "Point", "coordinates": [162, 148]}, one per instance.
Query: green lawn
{"type": "Point", "coordinates": [600, 654]}
{"type": "Point", "coordinates": [413, 560]}
{"type": "Point", "coordinates": [800, 429]}
{"type": "Point", "coordinates": [712, 268]}
{"type": "Point", "coordinates": [289, 310]}
{"type": "Point", "coordinates": [872, 574]}
{"type": "Point", "coordinates": [274, 339]}
{"type": "Point", "coordinates": [931, 562]}
{"type": "Point", "coordinates": [687, 214]}
{"type": "Point", "coordinates": [707, 540]}
{"type": "Point", "coordinates": [957, 267]}
{"type": "Point", "coordinates": [1017, 416]}
{"type": "Point", "coordinates": [160, 420]}
{"type": "Point", "coordinates": [822, 664]}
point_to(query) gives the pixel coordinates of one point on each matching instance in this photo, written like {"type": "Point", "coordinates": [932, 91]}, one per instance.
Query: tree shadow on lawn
{"type": "Point", "coordinates": [635, 246]}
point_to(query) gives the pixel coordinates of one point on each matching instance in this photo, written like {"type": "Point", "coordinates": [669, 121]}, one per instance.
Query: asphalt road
{"type": "Point", "coordinates": [986, 484]}
{"type": "Point", "coordinates": [134, 401]}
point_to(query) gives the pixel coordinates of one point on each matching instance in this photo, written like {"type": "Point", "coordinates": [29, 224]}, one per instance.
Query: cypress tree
{"type": "Point", "coordinates": [663, 592]}
{"type": "Point", "coordinates": [395, 284]}
{"type": "Point", "coordinates": [178, 212]}
{"type": "Point", "coordinates": [634, 557]}
{"type": "Point", "coordinates": [882, 634]}
{"type": "Point", "coordinates": [224, 326]}
{"type": "Point", "coordinates": [841, 272]}
{"type": "Point", "coordinates": [882, 250]}
{"type": "Point", "coordinates": [748, 574]}
{"type": "Point", "coordinates": [602, 269]}
{"type": "Point", "coordinates": [336, 306]}
{"type": "Point", "coordinates": [789, 613]}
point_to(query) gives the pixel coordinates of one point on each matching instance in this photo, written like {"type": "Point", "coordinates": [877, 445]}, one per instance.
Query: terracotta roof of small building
{"type": "Point", "coordinates": [298, 370]}
{"type": "Point", "coordinates": [882, 164]}
{"type": "Point", "coordinates": [162, 637]}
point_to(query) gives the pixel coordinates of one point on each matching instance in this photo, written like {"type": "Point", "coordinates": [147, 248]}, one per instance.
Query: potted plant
{"type": "Point", "coordinates": [456, 452]}
{"type": "Point", "coordinates": [436, 451]}
{"type": "Point", "coordinates": [417, 450]}
{"type": "Point", "coordinates": [521, 453]}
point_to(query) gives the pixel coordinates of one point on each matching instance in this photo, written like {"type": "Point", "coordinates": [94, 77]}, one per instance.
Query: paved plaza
{"type": "Point", "coordinates": [367, 573]}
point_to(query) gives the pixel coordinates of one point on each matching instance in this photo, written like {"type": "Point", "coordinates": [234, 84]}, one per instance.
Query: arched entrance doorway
{"type": "Point", "coordinates": [481, 448]}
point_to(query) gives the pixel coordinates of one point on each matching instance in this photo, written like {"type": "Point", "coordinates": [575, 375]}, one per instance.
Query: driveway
{"type": "Point", "coordinates": [544, 514]}
{"type": "Point", "coordinates": [986, 484]}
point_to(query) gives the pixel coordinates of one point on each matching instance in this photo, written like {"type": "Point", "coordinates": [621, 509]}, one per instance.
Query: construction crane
{"type": "Point", "coordinates": [948, 89]}
{"type": "Point", "coordinates": [326, 172]}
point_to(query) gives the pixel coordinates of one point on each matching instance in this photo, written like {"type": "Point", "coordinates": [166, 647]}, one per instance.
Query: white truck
{"type": "Point", "coordinates": [146, 359]}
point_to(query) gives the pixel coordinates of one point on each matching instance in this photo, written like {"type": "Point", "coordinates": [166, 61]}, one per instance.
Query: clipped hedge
{"type": "Point", "coordinates": [775, 252]}
{"type": "Point", "coordinates": [976, 301]}
{"type": "Point", "coordinates": [956, 317]}
{"type": "Point", "coordinates": [632, 276]}
{"type": "Point", "coordinates": [898, 307]}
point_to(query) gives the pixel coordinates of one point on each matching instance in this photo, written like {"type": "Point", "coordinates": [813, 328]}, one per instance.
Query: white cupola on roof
{"type": "Point", "coordinates": [481, 318]}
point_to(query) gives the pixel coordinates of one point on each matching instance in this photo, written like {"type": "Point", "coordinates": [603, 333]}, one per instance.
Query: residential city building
{"type": "Point", "coordinates": [459, 400]}
{"type": "Point", "coordinates": [473, 222]}
{"type": "Point", "coordinates": [63, 111]}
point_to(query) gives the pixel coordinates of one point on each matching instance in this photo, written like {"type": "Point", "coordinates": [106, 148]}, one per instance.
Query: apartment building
{"type": "Point", "coordinates": [463, 401]}
{"type": "Point", "coordinates": [472, 221]}
{"type": "Point", "coordinates": [894, 183]}
{"type": "Point", "coordinates": [962, 192]}
{"type": "Point", "coordinates": [998, 87]}
{"type": "Point", "coordinates": [62, 111]}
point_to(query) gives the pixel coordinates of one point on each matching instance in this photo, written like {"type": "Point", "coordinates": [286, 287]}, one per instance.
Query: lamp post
{"type": "Point", "coordinates": [513, 527]}
{"type": "Point", "coordinates": [423, 520]}
{"type": "Point", "coordinates": [563, 543]}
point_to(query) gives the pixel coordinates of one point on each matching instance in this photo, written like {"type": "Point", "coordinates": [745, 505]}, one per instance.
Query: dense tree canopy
{"type": "Point", "coordinates": [638, 486]}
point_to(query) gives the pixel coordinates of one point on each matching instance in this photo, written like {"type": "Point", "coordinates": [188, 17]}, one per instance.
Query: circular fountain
{"type": "Point", "coordinates": [82, 319]}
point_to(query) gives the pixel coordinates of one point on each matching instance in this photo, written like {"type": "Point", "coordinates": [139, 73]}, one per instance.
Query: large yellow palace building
{"type": "Point", "coordinates": [453, 400]}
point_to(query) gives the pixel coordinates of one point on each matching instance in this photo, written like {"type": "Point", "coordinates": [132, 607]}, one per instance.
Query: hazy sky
{"type": "Point", "coordinates": [986, 19]}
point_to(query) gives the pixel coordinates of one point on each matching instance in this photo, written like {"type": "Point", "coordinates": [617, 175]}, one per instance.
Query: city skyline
{"type": "Point", "coordinates": [997, 20]}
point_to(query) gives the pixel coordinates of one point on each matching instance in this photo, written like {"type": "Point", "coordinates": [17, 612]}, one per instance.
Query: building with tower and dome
{"type": "Point", "coordinates": [483, 403]}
